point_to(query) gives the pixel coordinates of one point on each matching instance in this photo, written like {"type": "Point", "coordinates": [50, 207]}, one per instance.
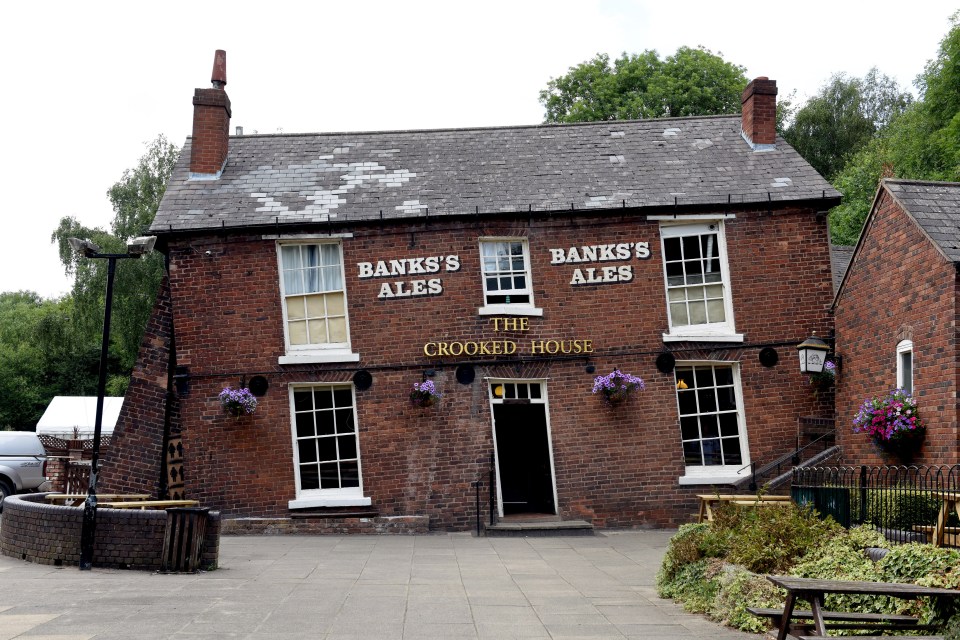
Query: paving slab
{"type": "Point", "coordinates": [431, 587]}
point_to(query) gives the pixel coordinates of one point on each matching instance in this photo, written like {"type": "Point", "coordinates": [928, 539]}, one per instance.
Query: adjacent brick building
{"type": "Point", "coordinates": [510, 266]}
{"type": "Point", "coordinates": [896, 315]}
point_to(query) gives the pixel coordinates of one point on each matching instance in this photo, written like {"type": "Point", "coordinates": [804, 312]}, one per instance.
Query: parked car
{"type": "Point", "coordinates": [23, 464]}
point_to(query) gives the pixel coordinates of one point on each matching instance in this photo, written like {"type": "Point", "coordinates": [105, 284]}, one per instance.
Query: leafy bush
{"type": "Point", "coordinates": [899, 509]}
{"type": "Point", "coordinates": [739, 589]}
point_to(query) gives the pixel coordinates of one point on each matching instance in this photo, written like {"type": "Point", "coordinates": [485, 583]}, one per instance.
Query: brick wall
{"type": "Point", "coordinates": [126, 539]}
{"type": "Point", "coordinates": [899, 287]}
{"type": "Point", "coordinates": [617, 467]}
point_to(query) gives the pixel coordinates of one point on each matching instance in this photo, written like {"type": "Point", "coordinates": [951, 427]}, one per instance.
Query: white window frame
{"type": "Point", "coordinates": [513, 309]}
{"type": "Point", "coordinates": [905, 347]}
{"type": "Point", "coordinates": [717, 474]}
{"type": "Point", "coordinates": [311, 498]}
{"type": "Point", "coordinates": [711, 332]}
{"type": "Point", "coordinates": [314, 353]}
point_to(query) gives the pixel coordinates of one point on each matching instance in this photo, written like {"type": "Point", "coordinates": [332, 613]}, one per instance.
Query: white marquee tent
{"type": "Point", "coordinates": [69, 415]}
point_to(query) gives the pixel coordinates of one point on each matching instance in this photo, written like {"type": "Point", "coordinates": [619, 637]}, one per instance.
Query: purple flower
{"type": "Point", "coordinates": [238, 401]}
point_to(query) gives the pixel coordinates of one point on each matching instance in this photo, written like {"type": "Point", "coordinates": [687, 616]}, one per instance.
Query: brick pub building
{"type": "Point", "coordinates": [510, 266]}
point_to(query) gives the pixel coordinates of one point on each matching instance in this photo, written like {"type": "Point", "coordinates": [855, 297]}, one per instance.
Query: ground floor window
{"type": "Point", "coordinates": [326, 449]}
{"type": "Point", "coordinates": [711, 420]}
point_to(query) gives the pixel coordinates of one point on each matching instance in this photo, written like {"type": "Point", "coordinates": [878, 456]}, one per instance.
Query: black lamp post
{"type": "Point", "coordinates": [813, 354]}
{"type": "Point", "coordinates": [136, 248]}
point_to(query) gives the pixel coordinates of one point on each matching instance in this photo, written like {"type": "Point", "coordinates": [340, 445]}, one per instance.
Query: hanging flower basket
{"type": "Point", "coordinates": [825, 380]}
{"type": "Point", "coordinates": [892, 423]}
{"type": "Point", "coordinates": [424, 394]}
{"type": "Point", "coordinates": [238, 402]}
{"type": "Point", "coordinates": [616, 387]}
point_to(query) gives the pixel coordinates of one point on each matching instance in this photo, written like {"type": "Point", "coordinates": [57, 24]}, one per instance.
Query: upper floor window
{"type": "Point", "coordinates": [505, 266]}
{"type": "Point", "coordinates": [699, 305]}
{"type": "Point", "coordinates": [905, 366]}
{"type": "Point", "coordinates": [314, 298]}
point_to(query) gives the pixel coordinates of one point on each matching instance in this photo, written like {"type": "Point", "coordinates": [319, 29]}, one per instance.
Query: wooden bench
{"type": "Point", "coordinates": [951, 535]}
{"type": "Point", "coordinates": [77, 499]}
{"type": "Point", "coordinates": [707, 502]}
{"type": "Point", "coordinates": [878, 637]}
{"type": "Point", "coordinates": [148, 504]}
{"type": "Point", "coordinates": [842, 620]}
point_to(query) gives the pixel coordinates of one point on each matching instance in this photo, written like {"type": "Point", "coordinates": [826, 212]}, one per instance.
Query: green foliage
{"type": "Point", "coordinates": [684, 549]}
{"type": "Point", "coordinates": [843, 117]}
{"type": "Point", "coordinates": [691, 82]}
{"type": "Point", "coordinates": [894, 509]}
{"type": "Point", "coordinates": [923, 143]}
{"type": "Point", "coordinates": [739, 589]}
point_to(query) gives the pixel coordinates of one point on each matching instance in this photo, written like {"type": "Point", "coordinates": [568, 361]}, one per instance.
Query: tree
{"type": "Point", "coordinates": [691, 82]}
{"type": "Point", "coordinates": [923, 143]}
{"type": "Point", "coordinates": [843, 117]}
{"type": "Point", "coordinates": [135, 199]}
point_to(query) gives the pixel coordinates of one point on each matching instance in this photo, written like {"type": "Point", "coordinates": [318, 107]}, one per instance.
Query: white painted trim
{"type": "Point", "coordinates": [308, 503]}
{"type": "Point", "coordinates": [307, 236]}
{"type": "Point", "coordinates": [318, 357]}
{"type": "Point", "coordinates": [703, 337]}
{"type": "Point", "coordinates": [528, 271]}
{"type": "Point", "coordinates": [717, 478]}
{"type": "Point", "coordinates": [905, 346]}
{"type": "Point", "coordinates": [509, 310]}
{"type": "Point", "coordinates": [680, 219]}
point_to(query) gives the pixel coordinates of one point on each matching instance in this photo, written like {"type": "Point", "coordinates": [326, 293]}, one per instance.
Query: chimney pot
{"type": "Point", "coordinates": [759, 113]}
{"type": "Point", "coordinates": [239, 131]}
{"type": "Point", "coordinates": [219, 76]}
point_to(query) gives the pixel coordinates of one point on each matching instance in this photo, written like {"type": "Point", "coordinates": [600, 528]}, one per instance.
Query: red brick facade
{"type": "Point", "coordinates": [613, 466]}
{"type": "Point", "coordinates": [899, 287]}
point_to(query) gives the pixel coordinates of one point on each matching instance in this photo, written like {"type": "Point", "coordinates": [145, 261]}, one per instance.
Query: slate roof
{"type": "Point", "coordinates": [840, 256]}
{"type": "Point", "coordinates": [297, 178]}
{"type": "Point", "coordinates": [936, 208]}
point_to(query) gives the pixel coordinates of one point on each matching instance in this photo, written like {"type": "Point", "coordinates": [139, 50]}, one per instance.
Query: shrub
{"type": "Point", "coordinates": [683, 549]}
{"type": "Point", "coordinates": [738, 590]}
{"type": "Point", "coordinates": [896, 508]}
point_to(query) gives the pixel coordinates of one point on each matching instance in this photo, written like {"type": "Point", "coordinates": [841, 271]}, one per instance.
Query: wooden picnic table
{"type": "Point", "coordinates": [708, 500]}
{"type": "Point", "coordinates": [148, 504]}
{"type": "Point", "coordinates": [813, 591]}
{"type": "Point", "coordinates": [76, 499]}
{"type": "Point", "coordinates": [951, 503]}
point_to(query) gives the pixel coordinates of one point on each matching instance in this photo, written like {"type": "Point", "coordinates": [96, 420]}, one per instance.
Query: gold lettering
{"type": "Point", "coordinates": [426, 349]}
{"type": "Point", "coordinates": [536, 347]}
{"type": "Point", "coordinates": [509, 347]}
{"type": "Point", "coordinates": [456, 348]}
{"type": "Point", "coordinates": [442, 349]}
{"type": "Point", "coordinates": [552, 349]}
{"type": "Point", "coordinates": [470, 348]}
{"type": "Point", "coordinates": [588, 346]}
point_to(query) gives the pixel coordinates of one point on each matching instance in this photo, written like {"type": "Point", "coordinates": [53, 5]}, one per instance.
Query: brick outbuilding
{"type": "Point", "coordinates": [896, 316]}
{"type": "Point", "coordinates": [510, 266]}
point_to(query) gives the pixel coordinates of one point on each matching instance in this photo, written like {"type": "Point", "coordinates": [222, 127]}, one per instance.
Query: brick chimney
{"type": "Point", "coordinates": [759, 113]}
{"type": "Point", "coordinates": [211, 123]}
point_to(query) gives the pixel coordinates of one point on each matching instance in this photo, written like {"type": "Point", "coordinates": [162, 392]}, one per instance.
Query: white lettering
{"type": "Point", "coordinates": [557, 256]}
{"type": "Point", "coordinates": [453, 263]}
{"type": "Point", "coordinates": [643, 250]}
{"type": "Point", "coordinates": [366, 269]}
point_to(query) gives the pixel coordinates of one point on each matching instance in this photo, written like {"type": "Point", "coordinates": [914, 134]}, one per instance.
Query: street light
{"type": "Point", "coordinates": [135, 249]}
{"type": "Point", "coordinates": [813, 354]}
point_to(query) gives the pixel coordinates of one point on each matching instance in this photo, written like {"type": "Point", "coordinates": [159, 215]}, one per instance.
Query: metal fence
{"type": "Point", "coordinates": [901, 501]}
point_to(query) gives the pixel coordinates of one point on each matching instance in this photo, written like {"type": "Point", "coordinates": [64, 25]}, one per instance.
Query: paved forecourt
{"type": "Point", "coordinates": [378, 587]}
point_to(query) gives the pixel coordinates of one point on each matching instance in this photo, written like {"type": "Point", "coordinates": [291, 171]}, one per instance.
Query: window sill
{"type": "Point", "coordinates": [313, 357]}
{"type": "Point", "coordinates": [509, 310]}
{"type": "Point", "coordinates": [703, 337]}
{"type": "Point", "coordinates": [342, 501]}
{"type": "Point", "coordinates": [719, 477]}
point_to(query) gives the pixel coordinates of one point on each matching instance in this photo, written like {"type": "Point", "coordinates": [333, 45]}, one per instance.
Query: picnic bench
{"type": "Point", "coordinates": [77, 499]}
{"type": "Point", "coordinates": [711, 500]}
{"type": "Point", "coordinates": [951, 503]}
{"type": "Point", "coordinates": [813, 591]}
{"type": "Point", "coordinates": [148, 504]}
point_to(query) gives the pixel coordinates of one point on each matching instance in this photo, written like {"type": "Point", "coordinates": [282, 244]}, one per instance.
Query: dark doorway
{"type": "Point", "coordinates": [523, 458]}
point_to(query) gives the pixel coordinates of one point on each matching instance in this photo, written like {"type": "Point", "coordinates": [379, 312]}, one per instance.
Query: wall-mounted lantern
{"type": "Point", "coordinates": [813, 354]}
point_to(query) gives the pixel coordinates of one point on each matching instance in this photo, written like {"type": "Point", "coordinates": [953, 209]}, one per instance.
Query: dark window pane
{"type": "Point", "coordinates": [305, 425]}
{"type": "Point", "coordinates": [323, 398]}
{"type": "Point", "coordinates": [691, 453]}
{"type": "Point", "coordinates": [324, 423]}
{"type": "Point", "coordinates": [671, 249]}
{"type": "Point", "coordinates": [691, 247]}
{"type": "Point", "coordinates": [724, 376]}
{"type": "Point", "coordinates": [307, 450]}
{"type": "Point", "coordinates": [345, 421]}
{"type": "Point", "coordinates": [687, 402]}
{"type": "Point", "coordinates": [522, 390]}
{"type": "Point", "coordinates": [708, 402]}
{"type": "Point", "coordinates": [509, 391]}
{"type": "Point", "coordinates": [675, 270]}
{"type": "Point", "coordinates": [328, 449]}
{"type": "Point", "coordinates": [535, 391]}
{"type": "Point", "coordinates": [731, 451]}
{"type": "Point", "coordinates": [347, 446]}
{"type": "Point", "coordinates": [704, 376]}
{"type": "Point", "coordinates": [690, 428]}
{"type": "Point", "coordinates": [708, 426]}
{"type": "Point", "coordinates": [492, 284]}
{"type": "Point", "coordinates": [505, 283]}
{"type": "Point", "coordinates": [727, 399]}
{"type": "Point", "coordinates": [309, 477]}
{"type": "Point", "coordinates": [728, 424]}
{"type": "Point", "coordinates": [302, 401]}
{"type": "Point", "coordinates": [329, 476]}
{"type": "Point", "coordinates": [711, 452]}
{"type": "Point", "coordinates": [342, 398]}
{"type": "Point", "coordinates": [520, 283]}
{"type": "Point", "coordinates": [349, 474]}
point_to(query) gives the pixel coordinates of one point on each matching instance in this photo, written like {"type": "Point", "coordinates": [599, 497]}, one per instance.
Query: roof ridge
{"type": "Point", "coordinates": [938, 183]}
{"type": "Point", "coordinates": [542, 125]}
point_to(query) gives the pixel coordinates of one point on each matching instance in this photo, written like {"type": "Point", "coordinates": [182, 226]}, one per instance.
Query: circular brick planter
{"type": "Point", "coordinates": [33, 530]}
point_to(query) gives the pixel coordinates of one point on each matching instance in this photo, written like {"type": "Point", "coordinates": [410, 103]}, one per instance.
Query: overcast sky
{"type": "Point", "coordinates": [87, 84]}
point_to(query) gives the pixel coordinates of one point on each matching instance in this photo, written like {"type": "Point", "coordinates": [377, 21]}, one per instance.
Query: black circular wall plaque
{"type": "Point", "coordinates": [466, 374]}
{"type": "Point", "coordinates": [666, 362]}
{"type": "Point", "coordinates": [258, 385]}
{"type": "Point", "coordinates": [769, 356]}
{"type": "Point", "coordinates": [362, 380]}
